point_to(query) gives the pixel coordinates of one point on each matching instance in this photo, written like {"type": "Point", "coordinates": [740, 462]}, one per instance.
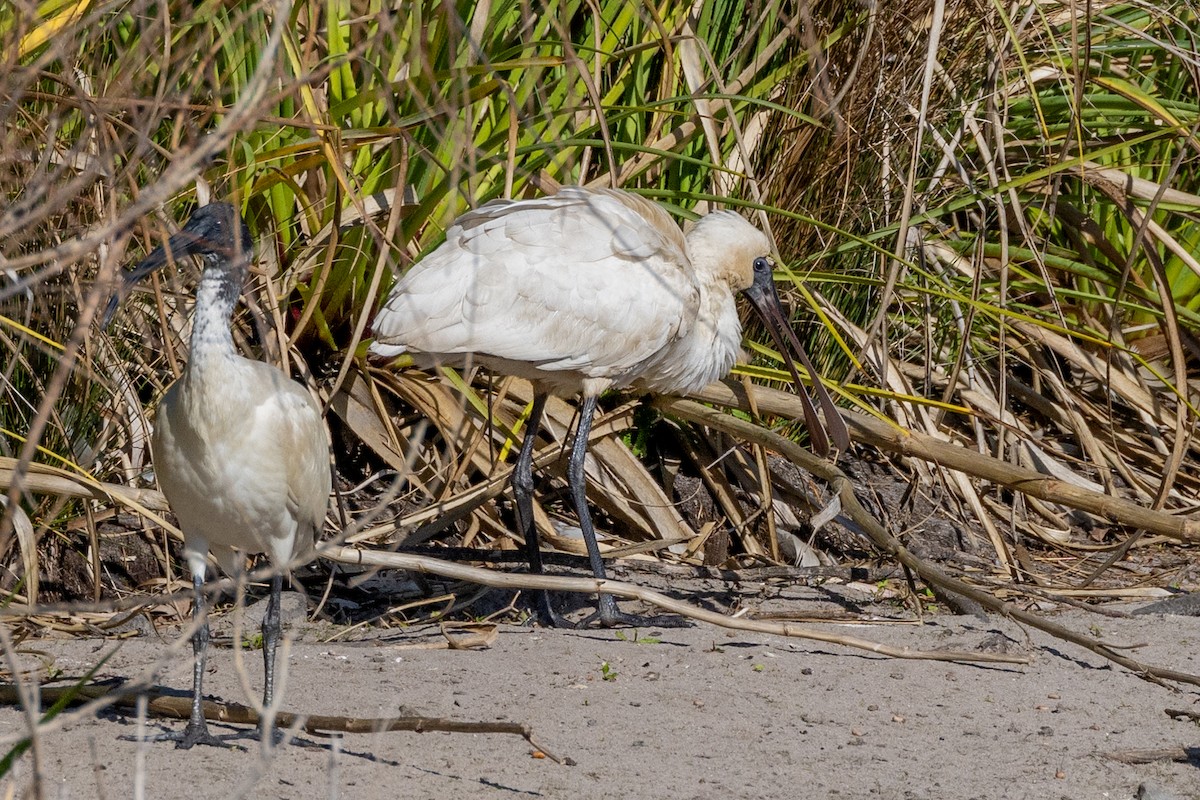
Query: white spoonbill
{"type": "Point", "coordinates": [584, 291]}
{"type": "Point", "coordinates": [239, 447]}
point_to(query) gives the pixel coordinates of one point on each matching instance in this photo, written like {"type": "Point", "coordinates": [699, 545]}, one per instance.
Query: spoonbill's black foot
{"type": "Point", "coordinates": [193, 735]}
{"type": "Point", "coordinates": [546, 615]}
{"type": "Point", "coordinates": [608, 615]}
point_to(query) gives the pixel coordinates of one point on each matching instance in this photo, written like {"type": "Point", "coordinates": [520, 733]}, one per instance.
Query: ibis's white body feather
{"type": "Point", "coordinates": [578, 292]}
{"type": "Point", "coordinates": [241, 454]}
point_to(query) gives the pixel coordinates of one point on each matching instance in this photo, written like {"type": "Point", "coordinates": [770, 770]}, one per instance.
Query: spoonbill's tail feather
{"type": "Point", "coordinates": [386, 351]}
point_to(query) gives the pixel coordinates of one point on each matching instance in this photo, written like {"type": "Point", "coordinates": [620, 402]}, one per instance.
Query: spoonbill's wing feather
{"type": "Point", "coordinates": [579, 282]}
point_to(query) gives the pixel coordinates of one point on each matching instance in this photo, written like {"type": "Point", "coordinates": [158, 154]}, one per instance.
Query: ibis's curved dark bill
{"type": "Point", "coordinates": [765, 299]}
{"type": "Point", "coordinates": [211, 230]}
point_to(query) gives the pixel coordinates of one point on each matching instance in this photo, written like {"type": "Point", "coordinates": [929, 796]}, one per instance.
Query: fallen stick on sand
{"type": "Point", "coordinates": [177, 707]}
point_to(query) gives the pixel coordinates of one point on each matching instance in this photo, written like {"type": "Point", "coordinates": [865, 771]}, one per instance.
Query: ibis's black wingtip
{"type": "Point", "coordinates": [110, 311]}
{"type": "Point", "coordinates": [125, 283]}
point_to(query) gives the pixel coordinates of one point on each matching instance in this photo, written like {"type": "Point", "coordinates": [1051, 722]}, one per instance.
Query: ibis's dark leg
{"type": "Point", "coordinates": [607, 613]}
{"type": "Point", "coordinates": [271, 630]}
{"type": "Point", "coordinates": [522, 483]}
{"type": "Point", "coordinates": [196, 731]}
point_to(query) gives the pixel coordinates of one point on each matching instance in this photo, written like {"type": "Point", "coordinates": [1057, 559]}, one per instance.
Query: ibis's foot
{"type": "Point", "coordinates": [608, 615]}
{"type": "Point", "coordinates": [274, 735]}
{"type": "Point", "coordinates": [193, 735]}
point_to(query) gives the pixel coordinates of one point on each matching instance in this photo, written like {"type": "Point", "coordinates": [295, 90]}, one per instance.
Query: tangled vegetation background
{"type": "Point", "coordinates": [988, 226]}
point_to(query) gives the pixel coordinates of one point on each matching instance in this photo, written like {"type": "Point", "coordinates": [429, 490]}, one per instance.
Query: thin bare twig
{"type": "Point", "coordinates": [446, 569]}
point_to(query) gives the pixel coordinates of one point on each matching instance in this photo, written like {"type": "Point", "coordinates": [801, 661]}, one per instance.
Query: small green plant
{"type": "Point", "coordinates": [638, 639]}
{"type": "Point", "coordinates": [607, 672]}
{"type": "Point", "coordinates": [637, 438]}
{"type": "Point", "coordinates": [758, 668]}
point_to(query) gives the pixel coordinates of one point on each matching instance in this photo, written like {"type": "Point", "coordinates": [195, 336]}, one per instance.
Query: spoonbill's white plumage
{"type": "Point", "coordinates": [584, 291]}
{"type": "Point", "coordinates": [239, 448]}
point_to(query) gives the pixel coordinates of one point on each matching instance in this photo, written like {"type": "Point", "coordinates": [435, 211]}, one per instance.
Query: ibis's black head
{"type": "Point", "coordinates": [216, 232]}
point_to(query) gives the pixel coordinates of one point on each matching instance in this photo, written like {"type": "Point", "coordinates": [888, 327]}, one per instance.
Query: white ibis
{"type": "Point", "coordinates": [239, 448]}
{"type": "Point", "coordinates": [584, 291]}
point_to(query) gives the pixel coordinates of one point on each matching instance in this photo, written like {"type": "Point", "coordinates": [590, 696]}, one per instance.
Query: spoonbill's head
{"type": "Point", "coordinates": [727, 245]}
{"type": "Point", "coordinates": [216, 232]}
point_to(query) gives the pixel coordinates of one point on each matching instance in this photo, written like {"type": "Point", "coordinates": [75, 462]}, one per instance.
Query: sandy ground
{"type": "Point", "coordinates": [698, 712]}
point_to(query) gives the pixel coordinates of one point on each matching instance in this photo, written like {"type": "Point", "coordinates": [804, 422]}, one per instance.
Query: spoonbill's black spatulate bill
{"type": "Point", "coordinates": [585, 291]}
{"type": "Point", "coordinates": [239, 448]}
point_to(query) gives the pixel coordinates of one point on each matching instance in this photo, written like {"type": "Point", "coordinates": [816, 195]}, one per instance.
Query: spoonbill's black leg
{"type": "Point", "coordinates": [607, 613]}
{"type": "Point", "coordinates": [522, 483]}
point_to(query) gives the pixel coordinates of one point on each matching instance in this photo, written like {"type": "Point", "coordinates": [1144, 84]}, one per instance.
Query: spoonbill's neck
{"type": "Point", "coordinates": [717, 335]}
{"type": "Point", "coordinates": [707, 352]}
